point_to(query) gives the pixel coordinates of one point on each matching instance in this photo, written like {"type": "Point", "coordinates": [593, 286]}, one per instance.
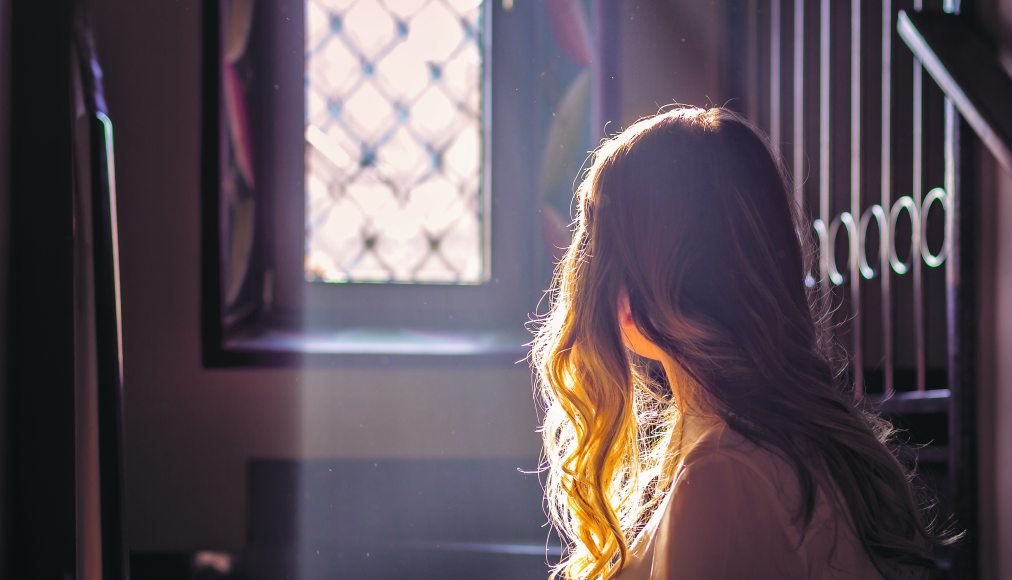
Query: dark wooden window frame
{"type": "Point", "coordinates": [296, 323]}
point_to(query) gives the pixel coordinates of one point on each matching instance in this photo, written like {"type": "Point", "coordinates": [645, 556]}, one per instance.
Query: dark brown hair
{"type": "Point", "coordinates": [691, 213]}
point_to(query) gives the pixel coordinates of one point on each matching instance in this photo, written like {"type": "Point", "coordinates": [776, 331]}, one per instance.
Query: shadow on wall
{"type": "Point", "coordinates": [395, 519]}
{"type": "Point", "coordinates": [425, 519]}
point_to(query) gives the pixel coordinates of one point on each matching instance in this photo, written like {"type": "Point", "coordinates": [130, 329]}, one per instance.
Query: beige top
{"type": "Point", "coordinates": [731, 514]}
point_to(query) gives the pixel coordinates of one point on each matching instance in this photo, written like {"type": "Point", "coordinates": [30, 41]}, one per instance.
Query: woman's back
{"type": "Point", "coordinates": [684, 290]}
{"type": "Point", "coordinates": [732, 513]}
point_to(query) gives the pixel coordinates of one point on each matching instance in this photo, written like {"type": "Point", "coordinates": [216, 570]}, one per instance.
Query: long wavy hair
{"type": "Point", "coordinates": [690, 213]}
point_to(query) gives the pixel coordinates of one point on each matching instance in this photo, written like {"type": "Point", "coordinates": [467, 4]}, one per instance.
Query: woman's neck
{"type": "Point", "coordinates": [685, 392]}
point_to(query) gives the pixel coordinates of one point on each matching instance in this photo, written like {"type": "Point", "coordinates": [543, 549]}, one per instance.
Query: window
{"type": "Point", "coordinates": [389, 178]}
{"type": "Point", "coordinates": [394, 142]}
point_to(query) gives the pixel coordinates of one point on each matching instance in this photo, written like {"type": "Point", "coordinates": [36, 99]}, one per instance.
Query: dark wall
{"type": "Point", "coordinates": [41, 470]}
{"type": "Point", "coordinates": [4, 273]}
{"type": "Point", "coordinates": [670, 53]}
{"type": "Point", "coordinates": [994, 433]}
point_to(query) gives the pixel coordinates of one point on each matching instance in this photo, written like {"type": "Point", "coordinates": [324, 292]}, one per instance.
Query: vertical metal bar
{"type": "Point", "coordinates": [775, 104]}
{"type": "Point", "coordinates": [855, 195]}
{"type": "Point", "coordinates": [916, 193]}
{"type": "Point", "coordinates": [799, 103]}
{"type": "Point", "coordinates": [885, 236]}
{"type": "Point", "coordinates": [824, 114]}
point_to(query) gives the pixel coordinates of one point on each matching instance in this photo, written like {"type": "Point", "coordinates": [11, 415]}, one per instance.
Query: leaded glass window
{"type": "Point", "coordinates": [394, 141]}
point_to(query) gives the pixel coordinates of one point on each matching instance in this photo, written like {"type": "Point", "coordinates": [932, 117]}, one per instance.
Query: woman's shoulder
{"type": "Point", "coordinates": [749, 497]}
{"type": "Point", "coordinates": [723, 451]}
{"type": "Point", "coordinates": [719, 443]}
{"type": "Point", "coordinates": [723, 457]}
{"type": "Point", "coordinates": [725, 517]}
{"type": "Point", "coordinates": [723, 464]}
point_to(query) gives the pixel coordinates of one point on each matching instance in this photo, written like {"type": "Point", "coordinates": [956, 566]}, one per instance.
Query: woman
{"type": "Point", "coordinates": [695, 427]}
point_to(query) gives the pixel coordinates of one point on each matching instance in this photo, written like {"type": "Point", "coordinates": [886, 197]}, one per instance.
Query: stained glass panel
{"type": "Point", "coordinates": [393, 135]}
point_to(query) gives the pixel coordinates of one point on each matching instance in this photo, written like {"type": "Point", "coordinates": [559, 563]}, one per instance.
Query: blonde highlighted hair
{"type": "Point", "coordinates": [690, 212]}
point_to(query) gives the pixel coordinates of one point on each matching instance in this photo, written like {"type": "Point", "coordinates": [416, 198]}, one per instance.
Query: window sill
{"type": "Point", "coordinates": [265, 346]}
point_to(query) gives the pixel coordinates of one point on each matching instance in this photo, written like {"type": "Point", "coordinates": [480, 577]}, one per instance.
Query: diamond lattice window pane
{"type": "Point", "coordinates": [394, 141]}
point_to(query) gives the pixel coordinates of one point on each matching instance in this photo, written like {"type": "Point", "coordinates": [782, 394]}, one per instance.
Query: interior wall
{"type": "Point", "coordinates": [995, 377]}
{"type": "Point", "coordinates": [190, 432]}
{"type": "Point", "coordinates": [669, 55]}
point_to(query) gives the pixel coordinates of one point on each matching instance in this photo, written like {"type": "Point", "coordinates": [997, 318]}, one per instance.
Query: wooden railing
{"type": "Point", "coordinates": [877, 151]}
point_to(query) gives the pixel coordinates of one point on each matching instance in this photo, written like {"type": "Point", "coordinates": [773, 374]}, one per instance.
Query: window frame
{"type": "Point", "coordinates": [294, 322]}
